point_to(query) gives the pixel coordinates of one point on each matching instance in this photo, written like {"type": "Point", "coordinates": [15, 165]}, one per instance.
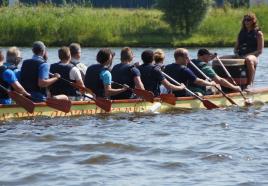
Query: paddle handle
{"type": "Point", "coordinates": [229, 75]}
{"type": "Point", "coordinates": [206, 77]}
{"type": "Point", "coordinates": [75, 85]}
{"type": "Point", "coordinates": [179, 84]}
{"type": "Point", "coordinates": [226, 71]}
{"type": "Point", "coordinates": [123, 86]}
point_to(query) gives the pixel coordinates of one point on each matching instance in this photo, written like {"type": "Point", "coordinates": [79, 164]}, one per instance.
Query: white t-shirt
{"type": "Point", "coordinates": [75, 74]}
{"type": "Point", "coordinates": [82, 67]}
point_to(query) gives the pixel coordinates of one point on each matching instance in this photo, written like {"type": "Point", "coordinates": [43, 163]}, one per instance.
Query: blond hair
{"type": "Point", "coordinates": [12, 55]}
{"type": "Point", "coordinates": [159, 55]}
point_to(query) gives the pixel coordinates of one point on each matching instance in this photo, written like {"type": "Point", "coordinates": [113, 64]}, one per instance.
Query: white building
{"type": "Point", "coordinates": [257, 2]}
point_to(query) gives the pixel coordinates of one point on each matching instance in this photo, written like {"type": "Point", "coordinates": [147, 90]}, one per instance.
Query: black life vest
{"type": "Point", "coordinates": [93, 81]}
{"type": "Point", "coordinates": [247, 41]}
{"type": "Point", "coordinates": [60, 86]}
{"type": "Point", "coordinates": [29, 76]}
{"type": "Point", "coordinates": [149, 79]}
{"type": "Point", "coordinates": [121, 73]}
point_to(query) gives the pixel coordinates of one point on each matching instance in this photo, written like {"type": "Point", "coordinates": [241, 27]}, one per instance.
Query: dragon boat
{"type": "Point", "coordinates": [83, 108]}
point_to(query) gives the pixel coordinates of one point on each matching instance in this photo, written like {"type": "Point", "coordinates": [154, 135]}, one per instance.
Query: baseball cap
{"type": "Point", "coordinates": [204, 51]}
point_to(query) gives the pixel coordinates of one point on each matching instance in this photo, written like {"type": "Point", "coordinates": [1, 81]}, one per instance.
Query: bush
{"type": "Point", "coordinates": [184, 16]}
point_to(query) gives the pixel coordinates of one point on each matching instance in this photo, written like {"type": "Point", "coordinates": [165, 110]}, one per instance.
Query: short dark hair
{"type": "Point", "coordinates": [147, 56]}
{"type": "Point", "coordinates": [104, 55]}
{"type": "Point", "coordinates": [74, 48]}
{"type": "Point", "coordinates": [64, 53]}
{"type": "Point", "coordinates": [126, 54]}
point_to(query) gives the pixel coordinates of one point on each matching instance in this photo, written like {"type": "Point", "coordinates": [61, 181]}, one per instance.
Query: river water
{"type": "Point", "coordinates": [205, 147]}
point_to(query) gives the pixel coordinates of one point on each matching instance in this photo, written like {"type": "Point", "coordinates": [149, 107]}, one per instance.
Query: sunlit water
{"type": "Point", "coordinates": [215, 147]}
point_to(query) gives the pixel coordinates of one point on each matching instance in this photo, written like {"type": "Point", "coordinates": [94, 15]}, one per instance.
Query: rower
{"type": "Point", "coordinates": [98, 77]}
{"type": "Point", "coordinates": [152, 76]}
{"type": "Point", "coordinates": [203, 57]}
{"type": "Point", "coordinates": [159, 57]}
{"type": "Point", "coordinates": [35, 74]}
{"type": "Point", "coordinates": [75, 50]}
{"type": "Point", "coordinates": [69, 72]}
{"type": "Point", "coordinates": [182, 74]}
{"type": "Point", "coordinates": [13, 59]}
{"type": "Point", "coordinates": [9, 80]}
{"type": "Point", "coordinates": [126, 74]}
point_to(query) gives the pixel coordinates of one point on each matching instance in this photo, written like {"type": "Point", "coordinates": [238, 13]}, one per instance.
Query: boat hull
{"type": "Point", "coordinates": [82, 108]}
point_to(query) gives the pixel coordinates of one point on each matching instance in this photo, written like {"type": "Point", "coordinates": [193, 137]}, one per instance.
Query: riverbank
{"type": "Point", "coordinates": [116, 27]}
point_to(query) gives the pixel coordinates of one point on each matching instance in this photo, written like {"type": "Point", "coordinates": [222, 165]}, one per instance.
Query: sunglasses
{"type": "Point", "coordinates": [248, 19]}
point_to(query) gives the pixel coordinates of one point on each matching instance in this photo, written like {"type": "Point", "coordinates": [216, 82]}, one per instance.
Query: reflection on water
{"type": "Point", "coordinates": [202, 147]}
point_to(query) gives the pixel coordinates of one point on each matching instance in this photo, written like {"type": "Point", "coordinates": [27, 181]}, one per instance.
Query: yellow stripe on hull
{"type": "Point", "coordinates": [81, 108]}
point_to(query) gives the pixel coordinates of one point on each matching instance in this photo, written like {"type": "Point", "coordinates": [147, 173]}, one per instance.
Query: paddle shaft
{"type": "Point", "coordinates": [177, 83]}
{"type": "Point", "coordinates": [145, 94]}
{"type": "Point", "coordinates": [75, 85]}
{"type": "Point", "coordinates": [229, 75]}
{"type": "Point", "coordinates": [102, 103]}
{"type": "Point", "coordinates": [209, 79]}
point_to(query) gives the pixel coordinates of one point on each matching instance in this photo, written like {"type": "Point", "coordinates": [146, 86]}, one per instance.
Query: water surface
{"type": "Point", "coordinates": [215, 147]}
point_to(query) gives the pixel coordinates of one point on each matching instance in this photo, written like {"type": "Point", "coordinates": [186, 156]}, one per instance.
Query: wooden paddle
{"type": "Point", "coordinates": [168, 98]}
{"type": "Point", "coordinates": [247, 100]}
{"type": "Point", "coordinates": [21, 100]}
{"type": "Point", "coordinates": [104, 104]}
{"type": "Point", "coordinates": [145, 94]}
{"type": "Point", "coordinates": [59, 104]}
{"type": "Point", "coordinates": [208, 104]}
{"type": "Point", "coordinates": [206, 77]}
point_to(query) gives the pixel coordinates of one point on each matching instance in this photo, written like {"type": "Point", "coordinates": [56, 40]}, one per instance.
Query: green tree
{"type": "Point", "coordinates": [184, 16]}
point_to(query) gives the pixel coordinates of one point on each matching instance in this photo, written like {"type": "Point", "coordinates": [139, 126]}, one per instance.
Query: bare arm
{"type": "Point", "coordinates": [80, 83]}
{"type": "Point", "coordinates": [47, 82]}
{"type": "Point", "coordinates": [223, 82]}
{"type": "Point", "coordinates": [202, 82]}
{"type": "Point", "coordinates": [170, 86]}
{"type": "Point", "coordinates": [18, 88]}
{"type": "Point", "coordinates": [138, 82]}
{"type": "Point", "coordinates": [260, 42]}
{"type": "Point", "coordinates": [109, 91]}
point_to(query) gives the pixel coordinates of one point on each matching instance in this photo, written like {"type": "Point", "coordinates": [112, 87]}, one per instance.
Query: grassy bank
{"type": "Point", "coordinates": [115, 27]}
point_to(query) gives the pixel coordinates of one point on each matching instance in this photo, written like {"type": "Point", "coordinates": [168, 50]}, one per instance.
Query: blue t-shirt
{"type": "Point", "coordinates": [106, 77]}
{"type": "Point", "coordinates": [16, 71]}
{"type": "Point", "coordinates": [43, 72]}
{"type": "Point", "coordinates": [9, 77]}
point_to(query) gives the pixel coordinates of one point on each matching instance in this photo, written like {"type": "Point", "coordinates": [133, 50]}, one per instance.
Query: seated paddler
{"type": "Point", "coordinates": [126, 74]}
{"type": "Point", "coordinates": [98, 77]}
{"type": "Point", "coordinates": [68, 72]}
{"type": "Point", "coordinates": [203, 58]}
{"type": "Point", "coordinates": [182, 74]}
{"type": "Point", "coordinates": [9, 81]}
{"type": "Point", "coordinates": [34, 75]}
{"type": "Point", "coordinates": [152, 77]}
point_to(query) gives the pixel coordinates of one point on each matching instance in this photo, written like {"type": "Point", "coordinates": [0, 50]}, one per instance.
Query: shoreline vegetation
{"type": "Point", "coordinates": [92, 27]}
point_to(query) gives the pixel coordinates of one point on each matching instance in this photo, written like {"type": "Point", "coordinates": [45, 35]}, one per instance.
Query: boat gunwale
{"type": "Point", "coordinates": [250, 91]}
